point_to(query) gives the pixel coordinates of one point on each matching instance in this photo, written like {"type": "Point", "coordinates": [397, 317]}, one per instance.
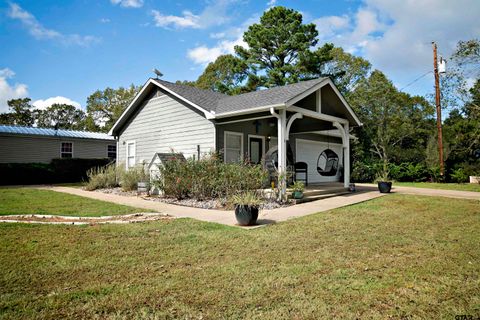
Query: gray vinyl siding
{"type": "Point", "coordinates": [27, 149]}
{"type": "Point", "coordinates": [163, 124]}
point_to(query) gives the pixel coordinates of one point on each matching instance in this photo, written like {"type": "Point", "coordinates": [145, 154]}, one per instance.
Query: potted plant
{"type": "Point", "coordinates": [384, 183]}
{"type": "Point", "coordinates": [297, 190]}
{"type": "Point", "coordinates": [246, 208]}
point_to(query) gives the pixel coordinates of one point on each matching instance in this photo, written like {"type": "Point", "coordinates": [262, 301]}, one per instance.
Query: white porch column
{"type": "Point", "coordinates": [344, 131]}
{"type": "Point", "coordinates": [282, 153]}
{"type": "Point", "coordinates": [282, 150]}
{"type": "Point", "coordinates": [346, 157]}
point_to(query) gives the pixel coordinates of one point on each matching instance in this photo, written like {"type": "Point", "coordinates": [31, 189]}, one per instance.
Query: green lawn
{"type": "Point", "coordinates": [36, 201]}
{"type": "Point", "coordinates": [399, 256]}
{"type": "Point", "coordinates": [446, 186]}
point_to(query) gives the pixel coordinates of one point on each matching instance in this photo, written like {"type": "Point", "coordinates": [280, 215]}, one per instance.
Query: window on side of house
{"type": "Point", "coordinates": [66, 150]}
{"type": "Point", "coordinates": [112, 151]}
{"type": "Point", "coordinates": [130, 154]}
{"type": "Point", "coordinates": [233, 146]}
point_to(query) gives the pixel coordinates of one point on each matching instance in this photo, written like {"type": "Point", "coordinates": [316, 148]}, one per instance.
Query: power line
{"type": "Point", "coordinates": [423, 75]}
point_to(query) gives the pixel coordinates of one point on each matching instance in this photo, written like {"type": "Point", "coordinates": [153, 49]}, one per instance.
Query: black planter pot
{"type": "Point", "coordinates": [246, 215]}
{"type": "Point", "coordinates": [385, 186]}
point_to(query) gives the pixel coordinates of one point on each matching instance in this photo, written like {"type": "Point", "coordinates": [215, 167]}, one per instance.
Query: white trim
{"type": "Point", "coordinates": [134, 152]}
{"type": "Point", "coordinates": [61, 142]}
{"type": "Point", "coordinates": [263, 145]}
{"type": "Point", "coordinates": [328, 133]}
{"type": "Point", "coordinates": [225, 144]}
{"type": "Point", "coordinates": [358, 122]}
{"type": "Point", "coordinates": [319, 100]}
{"type": "Point", "coordinates": [315, 141]}
{"type": "Point", "coordinates": [296, 116]}
{"type": "Point", "coordinates": [316, 115]}
{"type": "Point", "coordinates": [242, 120]}
{"type": "Point", "coordinates": [247, 111]}
{"type": "Point", "coordinates": [307, 92]}
{"type": "Point", "coordinates": [320, 85]}
{"type": "Point", "coordinates": [207, 114]}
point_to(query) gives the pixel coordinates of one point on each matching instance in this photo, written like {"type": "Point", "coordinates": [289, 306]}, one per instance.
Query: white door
{"type": "Point", "coordinates": [309, 151]}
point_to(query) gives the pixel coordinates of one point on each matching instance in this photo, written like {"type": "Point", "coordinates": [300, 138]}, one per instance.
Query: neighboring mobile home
{"type": "Point", "coordinates": [311, 119]}
{"type": "Point", "coordinates": [40, 145]}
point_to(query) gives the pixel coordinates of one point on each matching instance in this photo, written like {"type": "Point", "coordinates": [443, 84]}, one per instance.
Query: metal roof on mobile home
{"type": "Point", "coordinates": [54, 133]}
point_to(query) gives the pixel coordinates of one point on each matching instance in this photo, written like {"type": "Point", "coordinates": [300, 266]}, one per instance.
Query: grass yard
{"type": "Point", "coordinates": [446, 186]}
{"type": "Point", "coordinates": [398, 256]}
{"type": "Point", "coordinates": [36, 201]}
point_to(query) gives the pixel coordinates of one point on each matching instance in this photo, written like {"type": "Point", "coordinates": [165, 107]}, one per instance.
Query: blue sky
{"type": "Point", "coordinates": [62, 51]}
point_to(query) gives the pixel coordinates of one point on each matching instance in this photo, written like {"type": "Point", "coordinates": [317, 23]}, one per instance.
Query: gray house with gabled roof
{"type": "Point", "coordinates": [306, 122]}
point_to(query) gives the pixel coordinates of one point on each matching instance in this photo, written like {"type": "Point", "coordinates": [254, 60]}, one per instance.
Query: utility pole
{"type": "Point", "coordinates": [439, 109]}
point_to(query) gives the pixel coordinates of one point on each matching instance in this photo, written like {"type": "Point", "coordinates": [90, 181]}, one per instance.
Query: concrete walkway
{"type": "Point", "coordinates": [228, 217]}
{"type": "Point", "coordinates": [472, 195]}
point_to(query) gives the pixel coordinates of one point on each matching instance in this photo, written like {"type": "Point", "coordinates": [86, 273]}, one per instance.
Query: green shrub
{"type": "Point", "coordinates": [208, 178]}
{"type": "Point", "coordinates": [57, 171]}
{"type": "Point", "coordinates": [459, 175]}
{"type": "Point", "coordinates": [129, 178]}
{"type": "Point", "coordinates": [102, 177]}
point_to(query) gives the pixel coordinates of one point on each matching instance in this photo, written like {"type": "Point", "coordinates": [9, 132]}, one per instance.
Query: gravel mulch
{"type": "Point", "coordinates": [218, 204]}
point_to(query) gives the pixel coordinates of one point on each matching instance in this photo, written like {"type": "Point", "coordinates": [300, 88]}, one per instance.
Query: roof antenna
{"type": "Point", "coordinates": [158, 73]}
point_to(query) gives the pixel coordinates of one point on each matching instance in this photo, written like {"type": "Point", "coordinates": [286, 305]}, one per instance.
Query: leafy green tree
{"type": "Point", "coordinates": [346, 69]}
{"type": "Point", "coordinates": [105, 107]}
{"type": "Point", "coordinates": [21, 113]}
{"type": "Point", "coordinates": [62, 116]}
{"type": "Point", "coordinates": [462, 133]}
{"type": "Point", "coordinates": [226, 74]}
{"type": "Point", "coordinates": [391, 118]}
{"type": "Point", "coordinates": [278, 47]}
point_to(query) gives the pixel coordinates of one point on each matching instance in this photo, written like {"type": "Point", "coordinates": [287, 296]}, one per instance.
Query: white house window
{"type": "Point", "coordinates": [233, 146]}
{"type": "Point", "coordinates": [112, 151]}
{"type": "Point", "coordinates": [130, 154]}
{"type": "Point", "coordinates": [66, 150]}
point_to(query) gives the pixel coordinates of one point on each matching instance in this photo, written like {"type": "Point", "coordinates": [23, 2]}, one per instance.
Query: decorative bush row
{"type": "Point", "coordinates": [58, 171]}
{"type": "Point", "coordinates": [209, 178]}
{"type": "Point", "coordinates": [412, 172]}
{"type": "Point", "coordinates": [111, 176]}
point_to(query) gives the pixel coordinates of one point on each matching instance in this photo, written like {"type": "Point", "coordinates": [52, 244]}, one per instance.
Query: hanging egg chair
{"type": "Point", "coordinates": [327, 163]}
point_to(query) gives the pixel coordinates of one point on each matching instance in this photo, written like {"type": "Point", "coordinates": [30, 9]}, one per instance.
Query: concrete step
{"type": "Point", "coordinates": [319, 196]}
{"type": "Point", "coordinates": [309, 193]}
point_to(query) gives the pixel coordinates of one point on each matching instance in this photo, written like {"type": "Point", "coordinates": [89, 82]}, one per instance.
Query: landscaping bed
{"type": "Point", "coordinates": [218, 204]}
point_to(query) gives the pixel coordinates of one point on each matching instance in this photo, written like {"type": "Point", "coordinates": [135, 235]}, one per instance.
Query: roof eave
{"type": "Point", "coordinates": [249, 111]}
{"type": "Point", "coordinates": [124, 116]}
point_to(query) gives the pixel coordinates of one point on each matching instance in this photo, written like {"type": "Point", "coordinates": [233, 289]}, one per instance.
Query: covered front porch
{"type": "Point", "coordinates": [311, 129]}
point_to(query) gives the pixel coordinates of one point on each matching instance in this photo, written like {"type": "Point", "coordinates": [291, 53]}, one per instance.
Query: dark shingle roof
{"type": "Point", "coordinates": [222, 103]}
{"type": "Point", "coordinates": [205, 99]}
{"type": "Point", "coordinates": [272, 96]}
{"type": "Point", "coordinates": [54, 133]}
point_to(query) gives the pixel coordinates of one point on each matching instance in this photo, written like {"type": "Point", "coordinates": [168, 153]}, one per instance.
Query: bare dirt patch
{"type": "Point", "coordinates": [53, 219]}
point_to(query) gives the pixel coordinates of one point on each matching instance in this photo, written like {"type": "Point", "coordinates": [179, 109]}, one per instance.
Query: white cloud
{"type": "Point", "coordinates": [128, 3]}
{"type": "Point", "coordinates": [396, 35]}
{"type": "Point", "coordinates": [204, 55]}
{"type": "Point", "coordinates": [8, 91]}
{"type": "Point", "coordinates": [271, 3]}
{"type": "Point", "coordinates": [40, 32]}
{"type": "Point", "coordinates": [214, 14]}
{"type": "Point", "coordinates": [44, 104]}
{"type": "Point", "coordinates": [104, 20]}
{"type": "Point", "coordinates": [188, 20]}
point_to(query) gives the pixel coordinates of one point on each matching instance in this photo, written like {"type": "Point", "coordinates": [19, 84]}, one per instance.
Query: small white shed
{"type": "Point", "coordinates": [157, 160]}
